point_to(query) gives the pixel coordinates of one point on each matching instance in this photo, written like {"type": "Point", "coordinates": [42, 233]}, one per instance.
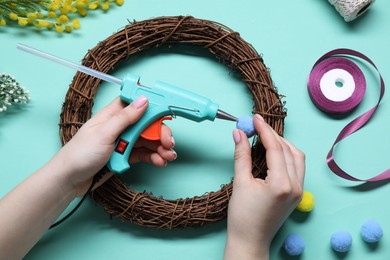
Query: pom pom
{"type": "Point", "coordinates": [341, 241]}
{"type": "Point", "coordinates": [294, 244]}
{"type": "Point", "coordinates": [371, 231]}
{"type": "Point", "coordinates": [245, 124]}
{"type": "Point", "coordinates": [307, 202]}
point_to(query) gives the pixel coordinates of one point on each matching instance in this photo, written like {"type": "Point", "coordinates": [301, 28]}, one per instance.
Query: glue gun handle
{"type": "Point", "coordinates": [119, 160]}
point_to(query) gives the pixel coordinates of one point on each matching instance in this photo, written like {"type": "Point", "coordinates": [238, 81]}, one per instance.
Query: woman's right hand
{"type": "Point", "coordinates": [258, 207]}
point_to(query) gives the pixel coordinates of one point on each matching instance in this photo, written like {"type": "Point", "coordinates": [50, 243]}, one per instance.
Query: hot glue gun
{"type": "Point", "coordinates": [165, 101]}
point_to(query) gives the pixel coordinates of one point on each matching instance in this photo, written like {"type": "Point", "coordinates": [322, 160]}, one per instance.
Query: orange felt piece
{"type": "Point", "coordinates": [153, 131]}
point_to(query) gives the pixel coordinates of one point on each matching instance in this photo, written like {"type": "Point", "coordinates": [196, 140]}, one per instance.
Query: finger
{"type": "Point", "coordinates": [242, 157]}
{"type": "Point", "coordinates": [274, 151]}
{"type": "Point", "coordinates": [145, 155]}
{"type": "Point", "coordinates": [168, 155]}
{"type": "Point", "coordinates": [167, 139]}
{"type": "Point", "coordinates": [108, 111]}
{"type": "Point", "coordinates": [145, 143]}
{"type": "Point", "coordinates": [299, 160]}
{"type": "Point", "coordinates": [126, 116]}
{"type": "Point", "coordinates": [289, 159]}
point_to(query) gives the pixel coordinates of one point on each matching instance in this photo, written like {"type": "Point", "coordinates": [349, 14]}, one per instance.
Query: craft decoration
{"type": "Point", "coordinates": [307, 202]}
{"type": "Point", "coordinates": [351, 9]}
{"type": "Point", "coordinates": [294, 244]}
{"type": "Point", "coordinates": [229, 48]}
{"type": "Point", "coordinates": [358, 122]}
{"type": "Point", "coordinates": [245, 124]}
{"type": "Point", "coordinates": [371, 231]}
{"type": "Point", "coordinates": [341, 241]}
{"type": "Point", "coordinates": [11, 92]}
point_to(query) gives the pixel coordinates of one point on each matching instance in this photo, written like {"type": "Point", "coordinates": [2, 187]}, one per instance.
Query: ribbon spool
{"type": "Point", "coordinates": [351, 9]}
{"type": "Point", "coordinates": [334, 65]}
{"type": "Point", "coordinates": [336, 85]}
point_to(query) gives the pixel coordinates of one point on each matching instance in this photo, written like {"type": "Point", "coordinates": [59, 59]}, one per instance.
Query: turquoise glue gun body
{"type": "Point", "coordinates": [164, 100]}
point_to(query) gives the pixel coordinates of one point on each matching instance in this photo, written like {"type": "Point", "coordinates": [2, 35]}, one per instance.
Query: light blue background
{"type": "Point", "coordinates": [291, 35]}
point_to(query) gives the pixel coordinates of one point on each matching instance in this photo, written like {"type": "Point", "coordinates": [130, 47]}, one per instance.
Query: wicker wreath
{"type": "Point", "coordinates": [230, 49]}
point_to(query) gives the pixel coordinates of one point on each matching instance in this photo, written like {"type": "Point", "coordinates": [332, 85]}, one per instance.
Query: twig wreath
{"type": "Point", "coordinates": [229, 48]}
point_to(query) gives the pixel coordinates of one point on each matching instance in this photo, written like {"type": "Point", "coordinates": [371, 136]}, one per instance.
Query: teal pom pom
{"type": "Point", "coordinates": [341, 241]}
{"type": "Point", "coordinates": [294, 244]}
{"type": "Point", "coordinates": [371, 231]}
{"type": "Point", "coordinates": [245, 124]}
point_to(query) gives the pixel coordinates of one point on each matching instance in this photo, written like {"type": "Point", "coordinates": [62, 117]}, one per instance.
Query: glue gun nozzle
{"type": "Point", "coordinates": [223, 115]}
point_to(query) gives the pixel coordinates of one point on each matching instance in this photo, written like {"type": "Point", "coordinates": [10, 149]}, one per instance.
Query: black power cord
{"type": "Point", "coordinates": [96, 178]}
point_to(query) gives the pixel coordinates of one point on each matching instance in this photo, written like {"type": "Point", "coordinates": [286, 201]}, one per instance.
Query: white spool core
{"type": "Point", "coordinates": [337, 85]}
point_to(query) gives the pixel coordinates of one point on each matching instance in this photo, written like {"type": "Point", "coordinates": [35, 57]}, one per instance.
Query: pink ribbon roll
{"type": "Point", "coordinates": [336, 85]}
{"type": "Point", "coordinates": [328, 62]}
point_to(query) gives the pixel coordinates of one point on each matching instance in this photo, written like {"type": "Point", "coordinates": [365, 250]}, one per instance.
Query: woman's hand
{"type": "Point", "coordinates": [258, 208]}
{"type": "Point", "coordinates": [89, 150]}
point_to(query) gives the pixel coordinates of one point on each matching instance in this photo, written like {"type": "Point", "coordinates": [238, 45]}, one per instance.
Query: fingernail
{"type": "Point", "coordinates": [259, 117]}
{"type": "Point", "coordinates": [236, 136]}
{"type": "Point", "coordinates": [139, 102]}
{"type": "Point", "coordinates": [174, 154]}
{"type": "Point", "coordinates": [173, 141]}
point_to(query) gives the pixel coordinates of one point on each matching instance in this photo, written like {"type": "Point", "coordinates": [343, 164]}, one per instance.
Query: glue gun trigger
{"type": "Point", "coordinates": [153, 131]}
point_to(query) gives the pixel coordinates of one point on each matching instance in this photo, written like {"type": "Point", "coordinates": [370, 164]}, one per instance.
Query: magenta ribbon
{"type": "Point", "coordinates": [331, 106]}
{"type": "Point", "coordinates": [355, 124]}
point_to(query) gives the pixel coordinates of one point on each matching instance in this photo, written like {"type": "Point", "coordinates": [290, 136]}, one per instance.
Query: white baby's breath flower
{"type": "Point", "coordinates": [11, 92]}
